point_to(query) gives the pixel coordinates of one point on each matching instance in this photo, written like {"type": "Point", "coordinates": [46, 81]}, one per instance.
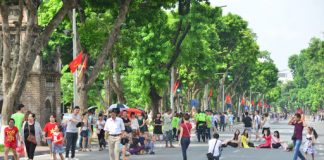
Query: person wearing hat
{"type": "Point", "coordinates": [115, 128]}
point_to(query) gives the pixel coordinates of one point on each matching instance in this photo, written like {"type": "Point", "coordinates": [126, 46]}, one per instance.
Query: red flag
{"type": "Point", "coordinates": [228, 100]}
{"type": "Point", "coordinates": [76, 62]}
{"type": "Point", "coordinates": [175, 86]}
{"type": "Point", "coordinates": [83, 68]}
{"type": "Point", "coordinates": [242, 101]}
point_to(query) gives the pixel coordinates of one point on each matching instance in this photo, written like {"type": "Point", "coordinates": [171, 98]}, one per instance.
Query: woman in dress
{"type": "Point", "coordinates": [267, 137]}
{"type": "Point", "coordinates": [245, 139]}
{"type": "Point", "coordinates": [142, 123]}
{"type": "Point", "coordinates": [158, 127]}
{"type": "Point", "coordinates": [311, 137]}
{"type": "Point", "coordinates": [100, 132]}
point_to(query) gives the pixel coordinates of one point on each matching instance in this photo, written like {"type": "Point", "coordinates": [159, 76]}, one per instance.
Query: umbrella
{"type": "Point", "coordinates": [92, 107]}
{"type": "Point", "coordinates": [135, 110]}
{"type": "Point", "coordinates": [121, 107]}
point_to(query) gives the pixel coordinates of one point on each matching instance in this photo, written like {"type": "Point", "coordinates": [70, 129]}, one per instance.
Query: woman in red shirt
{"type": "Point", "coordinates": [49, 129]}
{"type": "Point", "coordinates": [267, 137]}
{"type": "Point", "coordinates": [184, 136]}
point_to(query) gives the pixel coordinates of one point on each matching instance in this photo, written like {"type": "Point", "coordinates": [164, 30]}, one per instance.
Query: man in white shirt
{"type": "Point", "coordinates": [115, 128]}
{"type": "Point", "coordinates": [214, 146]}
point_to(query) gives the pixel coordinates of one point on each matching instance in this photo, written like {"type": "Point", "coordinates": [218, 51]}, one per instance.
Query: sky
{"type": "Point", "coordinates": [283, 27]}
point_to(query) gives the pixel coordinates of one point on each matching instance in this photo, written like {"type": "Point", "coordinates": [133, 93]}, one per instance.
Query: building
{"type": "Point", "coordinates": [285, 76]}
{"type": "Point", "coordinates": [42, 94]}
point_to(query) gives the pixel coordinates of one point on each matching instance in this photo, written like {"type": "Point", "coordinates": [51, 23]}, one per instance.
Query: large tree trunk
{"type": "Point", "coordinates": [14, 77]}
{"type": "Point", "coordinates": [108, 96]}
{"type": "Point", "coordinates": [155, 101]}
{"type": "Point", "coordinates": [205, 98]}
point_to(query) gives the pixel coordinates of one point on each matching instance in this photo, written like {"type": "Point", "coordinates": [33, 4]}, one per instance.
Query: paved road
{"type": "Point", "coordinates": [197, 151]}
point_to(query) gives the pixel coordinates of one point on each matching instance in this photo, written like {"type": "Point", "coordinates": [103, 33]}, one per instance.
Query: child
{"type": "Point", "coordinates": [10, 139]}
{"type": "Point", "coordinates": [267, 137]}
{"type": "Point", "coordinates": [58, 142]}
{"type": "Point", "coordinates": [311, 136]}
{"type": "Point", "coordinates": [149, 144]}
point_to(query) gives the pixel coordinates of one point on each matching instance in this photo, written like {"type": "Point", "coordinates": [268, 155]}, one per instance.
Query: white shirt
{"type": "Point", "coordinates": [167, 119]}
{"type": "Point", "coordinates": [114, 126]}
{"type": "Point", "coordinates": [211, 144]}
{"type": "Point", "coordinates": [134, 124]}
{"type": "Point", "coordinates": [101, 124]}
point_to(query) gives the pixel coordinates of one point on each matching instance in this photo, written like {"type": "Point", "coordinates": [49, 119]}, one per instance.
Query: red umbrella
{"type": "Point", "coordinates": [135, 110]}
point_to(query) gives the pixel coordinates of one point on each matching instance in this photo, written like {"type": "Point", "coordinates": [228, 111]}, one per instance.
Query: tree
{"type": "Point", "coordinates": [14, 73]}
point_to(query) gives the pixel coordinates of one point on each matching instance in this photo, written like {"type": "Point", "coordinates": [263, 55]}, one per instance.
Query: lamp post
{"type": "Point", "coordinates": [74, 55]}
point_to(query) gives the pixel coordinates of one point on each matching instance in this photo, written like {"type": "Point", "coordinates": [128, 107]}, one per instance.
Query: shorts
{"type": "Point", "coordinates": [84, 133]}
{"type": "Point", "coordinates": [12, 145]}
{"type": "Point", "coordinates": [58, 148]}
{"type": "Point", "coordinates": [49, 141]}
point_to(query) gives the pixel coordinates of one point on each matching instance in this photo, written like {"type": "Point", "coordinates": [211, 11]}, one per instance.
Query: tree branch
{"type": "Point", "coordinates": [176, 52]}
{"type": "Point", "coordinates": [109, 43]}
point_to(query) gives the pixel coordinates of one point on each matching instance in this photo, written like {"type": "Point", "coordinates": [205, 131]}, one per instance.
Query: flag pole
{"type": "Point", "coordinates": [75, 79]}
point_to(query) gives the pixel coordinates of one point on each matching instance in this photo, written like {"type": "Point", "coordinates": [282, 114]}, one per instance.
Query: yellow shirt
{"type": "Point", "coordinates": [244, 142]}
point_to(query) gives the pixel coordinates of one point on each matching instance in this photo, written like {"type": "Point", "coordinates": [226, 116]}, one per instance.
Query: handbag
{"type": "Point", "coordinates": [31, 138]}
{"type": "Point", "coordinates": [210, 156]}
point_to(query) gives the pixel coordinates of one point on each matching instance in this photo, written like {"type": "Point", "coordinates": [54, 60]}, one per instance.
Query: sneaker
{"type": "Point", "coordinates": [152, 152]}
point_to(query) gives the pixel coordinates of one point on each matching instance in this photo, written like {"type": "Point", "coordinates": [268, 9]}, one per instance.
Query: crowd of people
{"type": "Point", "coordinates": [128, 133]}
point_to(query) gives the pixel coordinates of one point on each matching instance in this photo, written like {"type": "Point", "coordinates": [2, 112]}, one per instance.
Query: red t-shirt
{"type": "Point", "coordinates": [57, 136]}
{"type": "Point", "coordinates": [186, 129]}
{"type": "Point", "coordinates": [49, 128]}
{"type": "Point", "coordinates": [10, 135]}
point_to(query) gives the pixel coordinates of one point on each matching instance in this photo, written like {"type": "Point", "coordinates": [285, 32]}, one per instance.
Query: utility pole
{"type": "Point", "coordinates": [171, 90]}
{"type": "Point", "coordinates": [75, 96]}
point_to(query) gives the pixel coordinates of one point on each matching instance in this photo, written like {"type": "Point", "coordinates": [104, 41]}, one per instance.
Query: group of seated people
{"type": "Point", "coordinates": [242, 140]}
{"type": "Point", "coordinates": [139, 143]}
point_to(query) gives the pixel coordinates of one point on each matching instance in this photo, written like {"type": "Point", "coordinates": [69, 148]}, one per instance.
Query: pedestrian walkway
{"type": "Point", "coordinates": [197, 151]}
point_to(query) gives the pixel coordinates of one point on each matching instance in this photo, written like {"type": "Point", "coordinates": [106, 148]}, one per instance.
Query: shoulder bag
{"type": "Point", "coordinates": [210, 156]}
{"type": "Point", "coordinates": [31, 138]}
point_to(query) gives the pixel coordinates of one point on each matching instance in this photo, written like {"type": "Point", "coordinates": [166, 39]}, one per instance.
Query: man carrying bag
{"type": "Point", "coordinates": [214, 148]}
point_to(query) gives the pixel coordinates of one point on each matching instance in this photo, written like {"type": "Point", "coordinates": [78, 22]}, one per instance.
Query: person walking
{"type": "Point", "coordinates": [115, 128]}
{"type": "Point", "coordinates": [157, 126]}
{"type": "Point", "coordinates": [297, 136]}
{"type": "Point", "coordinates": [32, 135]}
{"type": "Point", "coordinates": [184, 135]}
{"type": "Point", "coordinates": [222, 122]}
{"type": "Point", "coordinates": [84, 133]}
{"type": "Point", "coordinates": [11, 134]}
{"type": "Point", "coordinates": [57, 140]}
{"type": "Point", "coordinates": [247, 120]}
{"type": "Point", "coordinates": [257, 125]}
{"type": "Point", "coordinates": [214, 146]}
{"type": "Point", "coordinates": [19, 116]}
{"type": "Point", "coordinates": [265, 123]}
{"type": "Point", "coordinates": [201, 125]}
{"type": "Point", "coordinates": [100, 132]}
{"type": "Point", "coordinates": [175, 125]}
{"type": "Point", "coordinates": [48, 132]}
{"type": "Point", "coordinates": [167, 127]}
{"type": "Point", "coordinates": [209, 120]}
{"type": "Point", "coordinates": [72, 132]}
